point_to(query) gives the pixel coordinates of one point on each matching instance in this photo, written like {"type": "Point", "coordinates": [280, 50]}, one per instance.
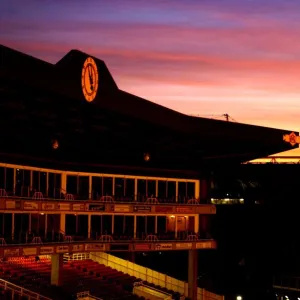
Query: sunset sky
{"type": "Point", "coordinates": [200, 57]}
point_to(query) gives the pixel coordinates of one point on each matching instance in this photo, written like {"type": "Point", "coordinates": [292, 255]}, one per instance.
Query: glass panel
{"type": "Point", "coordinates": [119, 188]}
{"type": "Point", "coordinates": [182, 191]}
{"type": "Point", "coordinates": [83, 187]}
{"type": "Point", "coordinates": [35, 182]}
{"type": "Point", "coordinates": [22, 183]}
{"type": "Point", "coordinates": [171, 191]}
{"type": "Point", "coordinates": [107, 186]}
{"type": "Point", "coordinates": [129, 189]}
{"type": "Point", "coordinates": [162, 189]}
{"type": "Point", "coordinates": [191, 190]}
{"type": "Point", "coordinates": [9, 180]}
{"type": "Point", "coordinates": [2, 177]}
{"type": "Point", "coordinates": [72, 184]}
{"type": "Point", "coordinates": [97, 187]}
{"type": "Point", "coordinates": [141, 189]}
{"type": "Point", "coordinates": [151, 188]}
{"type": "Point", "coordinates": [43, 183]}
{"type": "Point", "coordinates": [54, 184]}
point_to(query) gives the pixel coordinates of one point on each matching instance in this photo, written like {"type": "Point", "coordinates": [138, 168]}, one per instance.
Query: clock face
{"type": "Point", "coordinates": [89, 79]}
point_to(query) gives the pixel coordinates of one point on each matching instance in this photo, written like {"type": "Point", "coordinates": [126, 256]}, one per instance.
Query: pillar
{"type": "Point", "coordinates": [197, 190]}
{"type": "Point", "coordinates": [176, 192]}
{"type": "Point", "coordinates": [90, 187]}
{"type": "Point", "coordinates": [192, 274]}
{"type": "Point", "coordinates": [135, 189]}
{"type": "Point", "coordinates": [176, 226]}
{"type": "Point", "coordinates": [89, 226]}
{"type": "Point", "coordinates": [46, 224]}
{"type": "Point", "coordinates": [29, 223]}
{"type": "Point", "coordinates": [112, 224]}
{"type": "Point", "coordinates": [62, 224]}
{"type": "Point", "coordinates": [63, 183]}
{"type": "Point", "coordinates": [14, 183]}
{"type": "Point", "coordinates": [12, 226]}
{"type": "Point", "coordinates": [134, 226]}
{"type": "Point", "coordinates": [155, 225]}
{"type": "Point", "coordinates": [56, 269]}
{"type": "Point", "coordinates": [196, 224]}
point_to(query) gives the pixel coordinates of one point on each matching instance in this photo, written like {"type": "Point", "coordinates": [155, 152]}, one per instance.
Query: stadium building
{"type": "Point", "coordinates": [88, 170]}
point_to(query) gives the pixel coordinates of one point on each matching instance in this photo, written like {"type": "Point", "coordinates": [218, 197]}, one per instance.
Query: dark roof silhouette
{"type": "Point", "coordinates": [42, 102]}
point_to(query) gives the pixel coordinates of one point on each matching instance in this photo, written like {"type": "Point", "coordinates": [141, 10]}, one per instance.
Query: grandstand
{"type": "Point", "coordinates": [88, 170]}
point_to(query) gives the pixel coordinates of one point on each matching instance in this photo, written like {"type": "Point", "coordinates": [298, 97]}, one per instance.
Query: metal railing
{"type": "Point", "coordinates": [87, 294]}
{"type": "Point", "coordinates": [6, 285]}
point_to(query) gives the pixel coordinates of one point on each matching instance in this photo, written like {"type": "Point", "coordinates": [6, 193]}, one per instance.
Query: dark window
{"type": "Point", "coordinates": [119, 188]}
{"type": "Point", "coordinates": [129, 188]}
{"type": "Point", "coordinates": [141, 189]}
{"type": "Point", "coordinates": [97, 187]}
{"type": "Point", "coordinates": [191, 190]}
{"type": "Point", "coordinates": [9, 179]}
{"type": "Point", "coordinates": [54, 185]}
{"type": "Point", "coordinates": [2, 178]}
{"type": "Point", "coordinates": [171, 190]}
{"type": "Point", "coordinates": [43, 183]}
{"type": "Point", "coordinates": [22, 183]}
{"type": "Point", "coordinates": [72, 184]}
{"type": "Point", "coordinates": [151, 188]}
{"type": "Point", "coordinates": [182, 191]}
{"type": "Point", "coordinates": [107, 186]}
{"type": "Point", "coordinates": [162, 189]}
{"type": "Point", "coordinates": [83, 187]}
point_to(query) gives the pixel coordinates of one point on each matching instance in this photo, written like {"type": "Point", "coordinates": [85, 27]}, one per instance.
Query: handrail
{"type": "Point", "coordinates": [141, 283]}
{"type": "Point", "coordinates": [88, 241]}
{"type": "Point", "coordinates": [91, 201]}
{"type": "Point", "coordinates": [87, 294]}
{"type": "Point", "coordinates": [21, 291]}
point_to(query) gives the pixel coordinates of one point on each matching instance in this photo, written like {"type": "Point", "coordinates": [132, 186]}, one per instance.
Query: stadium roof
{"type": "Point", "coordinates": [43, 102]}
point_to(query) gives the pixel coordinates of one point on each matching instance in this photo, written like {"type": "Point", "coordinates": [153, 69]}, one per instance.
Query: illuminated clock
{"type": "Point", "coordinates": [89, 79]}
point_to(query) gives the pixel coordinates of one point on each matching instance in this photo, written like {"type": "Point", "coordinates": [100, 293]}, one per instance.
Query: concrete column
{"type": "Point", "coordinates": [29, 223]}
{"type": "Point", "coordinates": [47, 184]}
{"type": "Point", "coordinates": [175, 226]}
{"type": "Point", "coordinates": [12, 226]}
{"type": "Point", "coordinates": [31, 182]}
{"type": "Point", "coordinates": [46, 224]}
{"type": "Point", "coordinates": [197, 190]}
{"type": "Point", "coordinates": [113, 186]}
{"type": "Point", "coordinates": [15, 178]}
{"type": "Point", "coordinates": [89, 226]}
{"type": "Point", "coordinates": [63, 183]}
{"type": "Point", "coordinates": [196, 224]}
{"type": "Point", "coordinates": [134, 226]}
{"type": "Point", "coordinates": [193, 274]}
{"type": "Point", "coordinates": [112, 224]}
{"type": "Point", "coordinates": [176, 197]}
{"type": "Point", "coordinates": [155, 225]}
{"type": "Point", "coordinates": [90, 187]}
{"type": "Point", "coordinates": [156, 188]}
{"type": "Point", "coordinates": [135, 189]}
{"type": "Point", "coordinates": [56, 269]}
{"type": "Point", "coordinates": [62, 224]}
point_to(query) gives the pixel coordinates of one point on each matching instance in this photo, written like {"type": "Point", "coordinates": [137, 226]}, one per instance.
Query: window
{"type": "Point", "coordinates": [141, 189]}
{"type": "Point", "coordinates": [22, 183]}
{"type": "Point", "coordinates": [171, 190]}
{"type": "Point", "coordinates": [54, 185]}
{"type": "Point", "coordinates": [97, 187]}
{"type": "Point", "coordinates": [129, 189]}
{"type": "Point", "coordinates": [9, 179]}
{"type": "Point", "coordinates": [162, 189]}
{"type": "Point", "coordinates": [83, 187]}
{"type": "Point", "coordinates": [119, 188]}
{"type": "Point", "coordinates": [72, 184]}
{"type": "Point", "coordinates": [107, 186]}
{"type": "Point", "coordinates": [151, 188]}
{"type": "Point", "coordinates": [191, 190]}
{"type": "Point", "coordinates": [182, 191]}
